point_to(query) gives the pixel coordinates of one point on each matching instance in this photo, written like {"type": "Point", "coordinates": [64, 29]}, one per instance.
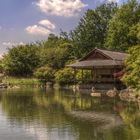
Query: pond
{"type": "Point", "coordinates": [39, 114]}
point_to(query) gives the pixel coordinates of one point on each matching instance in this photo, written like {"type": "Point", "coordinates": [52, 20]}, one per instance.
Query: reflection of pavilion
{"type": "Point", "coordinates": [106, 67]}
{"type": "Point", "coordinates": [139, 104]}
{"type": "Point", "coordinates": [106, 120]}
{"type": "Point", "coordinates": [99, 112]}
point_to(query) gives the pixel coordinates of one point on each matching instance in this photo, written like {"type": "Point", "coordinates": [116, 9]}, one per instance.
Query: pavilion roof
{"type": "Point", "coordinates": [112, 58]}
{"type": "Point", "coordinates": [114, 55]}
{"type": "Point", "coordinates": [96, 63]}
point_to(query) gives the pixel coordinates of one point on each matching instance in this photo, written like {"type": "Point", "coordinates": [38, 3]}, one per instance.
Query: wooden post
{"type": "Point", "coordinates": [114, 76]}
{"type": "Point", "coordinates": [75, 76]}
{"type": "Point", "coordinates": [95, 75]}
{"type": "Point", "coordinates": [82, 75]}
{"type": "Point", "coordinates": [91, 74]}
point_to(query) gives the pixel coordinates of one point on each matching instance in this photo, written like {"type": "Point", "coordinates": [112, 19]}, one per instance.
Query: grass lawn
{"type": "Point", "coordinates": [21, 81]}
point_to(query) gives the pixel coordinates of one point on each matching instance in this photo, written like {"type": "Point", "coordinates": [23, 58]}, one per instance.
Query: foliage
{"type": "Point", "coordinates": [92, 28]}
{"type": "Point", "coordinates": [45, 74]}
{"type": "Point", "coordinates": [21, 60]}
{"type": "Point", "coordinates": [134, 34]}
{"type": "Point", "coordinates": [20, 81]}
{"type": "Point", "coordinates": [1, 66]}
{"type": "Point", "coordinates": [64, 76]}
{"type": "Point", "coordinates": [51, 42]}
{"type": "Point", "coordinates": [86, 74]}
{"type": "Point", "coordinates": [121, 34]}
{"type": "Point", "coordinates": [56, 57]}
{"type": "Point", "coordinates": [132, 77]}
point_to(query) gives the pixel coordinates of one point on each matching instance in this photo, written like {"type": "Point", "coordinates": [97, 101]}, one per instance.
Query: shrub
{"type": "Point", "coordinates": [45, 74]}
{"type": "Point", "coordinates": [132, 76]}
{"type": "Point", "coordinates": [86, 75]}
{"type": "Point", "coordinates": [64, 76]}
{"type": "Point", "coordinates": [21, 60]}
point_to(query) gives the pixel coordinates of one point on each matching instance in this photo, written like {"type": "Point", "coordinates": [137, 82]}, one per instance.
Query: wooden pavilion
{"type": "Point", "coordinates": [107, 67]}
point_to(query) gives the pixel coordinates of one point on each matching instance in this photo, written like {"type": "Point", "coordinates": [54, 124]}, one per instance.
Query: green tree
{"type": "Point", "coordinates": [132, 76]}
{"type": "Point", "coordinates": [134, 34]}
{"type": "Point", "coordinates": [45, 74]}
{"type": "Point", "coordinates": [120, 33]}
{"type": "Point", "coordinates": [54, 41]}
{"type": "Point", "coordinates": [1, 66]}
{"type": "Point", "coordinates": [56, 57]}
{"type": "Point", "coordinates": [21, 60]}
{"type": "Point", "coordinates": [92, 29]}
{"type": "Point", "coordinates": [85, 75]}
{"type": "Point", "coordinates": [64, 76]}
{"type": "Point", "coordinates": [51, 41]}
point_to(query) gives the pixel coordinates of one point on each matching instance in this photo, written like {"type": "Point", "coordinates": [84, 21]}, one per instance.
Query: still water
{"type": "Point", "coordinates": [37, 114]}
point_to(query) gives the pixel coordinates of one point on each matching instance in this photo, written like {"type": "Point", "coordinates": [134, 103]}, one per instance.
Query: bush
{"type": "Point", "coordinates": [64, 76]}
{"type": "Point", "coordinates": [1, 66]}
{"type": "Point", "coordinates": [86, 75]}
{"type": "Point", "coordinates": [132, 76]}
{"type": "Point", "coordinates": [57, 56]}
{"type": "Point", "coordinates": [21, 60]}
{"type": "Point", "coordinates": [45, 74]}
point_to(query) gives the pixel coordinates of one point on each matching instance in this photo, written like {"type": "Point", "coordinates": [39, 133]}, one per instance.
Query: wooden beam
{"type": "Point", "coordinates": [74, 76]}
{"type": "Point", "coordinates": [82, 75]}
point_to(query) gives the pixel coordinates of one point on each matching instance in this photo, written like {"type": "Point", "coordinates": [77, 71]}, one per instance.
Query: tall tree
{"type": "Point", "coordinates": [92, 29]}
{"type": "Point", "coordinates": [21, 60]}
{"type": "Point", "coordinates": [56, 51]}
{"type": "Point", "coordinates": [134, 34]}
{"type": "Point", "coordinates": [120, 35]}
{"type": "Point", "coordinates": [132, 76]}
{"type": "Point", "coordinates": [56, 57]}
{"type": "Point", "coordinates": [51, 41]}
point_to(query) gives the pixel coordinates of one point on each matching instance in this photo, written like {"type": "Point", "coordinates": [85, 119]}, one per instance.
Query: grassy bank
{"type": "Point", "coordinates": [21, 81]}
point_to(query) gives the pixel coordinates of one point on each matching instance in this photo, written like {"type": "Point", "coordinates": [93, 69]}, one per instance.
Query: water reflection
{"type": "Point", "coordinates": [37, 114]}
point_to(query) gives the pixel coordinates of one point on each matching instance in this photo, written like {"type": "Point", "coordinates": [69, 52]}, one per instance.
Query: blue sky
{"type": "Point", "coordinates": [25, 21]}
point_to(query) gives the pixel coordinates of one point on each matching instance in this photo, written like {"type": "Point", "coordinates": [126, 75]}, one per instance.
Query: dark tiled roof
{"type": "Point", "coordinates": [109, 54]}
{"type": "Point", "coordinates": [114, 59]}
{"type": "Point", "coordinates": [96, 63]}
{"type": "Point", "coordinates": [114, 55]}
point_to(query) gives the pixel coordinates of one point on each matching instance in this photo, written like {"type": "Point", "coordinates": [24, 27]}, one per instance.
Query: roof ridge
{"type": "Point", "coordinates": [108, 54]}
{"type": "Point", "coordinates": [111, 50]}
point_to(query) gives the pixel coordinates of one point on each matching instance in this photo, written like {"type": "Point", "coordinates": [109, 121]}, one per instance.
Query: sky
{"type": "Point", "coordinates": [27, 21]}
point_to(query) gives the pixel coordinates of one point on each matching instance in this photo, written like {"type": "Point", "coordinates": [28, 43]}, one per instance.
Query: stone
{"type": "Point", "coordinates": [111, 93]}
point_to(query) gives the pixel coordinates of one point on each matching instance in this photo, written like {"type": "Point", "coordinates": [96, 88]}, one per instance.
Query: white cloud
{"type": "Point", "coordinates": [21, 43]}
{"type": "Point", "coordinates": [10, 44]}
{"type": "Point", "coordinates": [37, 30]}
{"type": "Point", "coordinates": [1, 56]}
{"type": "Point", "coordinates": [113, 0]}
{"type": "Point", "coordinates": [0, 27]}
{"type": "Point", "coordinates": [108, 1]}
{"type": "Point", "coordinates": [47, 24]}
{"type": "Point", "coordinates": [67, 8]}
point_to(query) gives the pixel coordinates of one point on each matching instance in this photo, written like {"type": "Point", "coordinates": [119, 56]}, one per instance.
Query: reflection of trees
{"type": "Point", "coordinates": [131, 117]}
{"type": "Point", "coordinates": [52, 110]}
{"type": "Point", "coordinates": [32, 109]}
{"type": "Point", "coordinates": [72, 101]}
{"type": "Point", "coordinates": [0, 98]}
{"type": "Point", "coordinates": [18, 107]}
